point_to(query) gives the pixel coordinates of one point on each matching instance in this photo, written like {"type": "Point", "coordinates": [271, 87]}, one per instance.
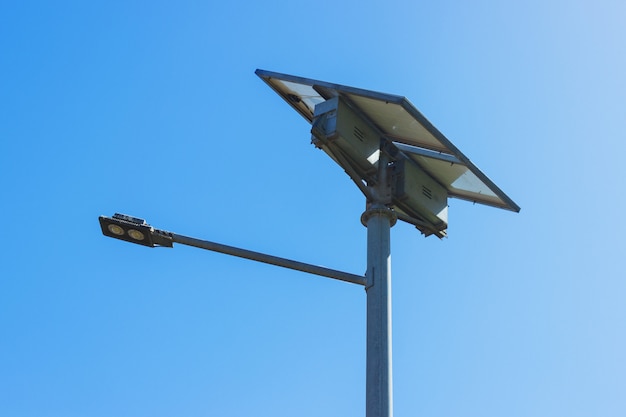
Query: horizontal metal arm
{"type": "Point", "coordinates": [268, 259]}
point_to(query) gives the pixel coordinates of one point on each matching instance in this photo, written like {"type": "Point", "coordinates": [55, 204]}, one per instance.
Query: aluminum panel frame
{"type": "Point", "coordinates": [302, 94]}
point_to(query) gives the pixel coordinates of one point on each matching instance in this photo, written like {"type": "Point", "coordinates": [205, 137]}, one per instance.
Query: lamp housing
{"type": "Point", "coordinates": [134, 230]}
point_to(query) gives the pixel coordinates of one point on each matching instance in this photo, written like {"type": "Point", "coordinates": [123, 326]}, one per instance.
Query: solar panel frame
{"type": "Point", "coordinates": [406, 127]}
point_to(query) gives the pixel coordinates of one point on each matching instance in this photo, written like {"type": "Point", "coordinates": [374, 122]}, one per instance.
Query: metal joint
{"type": "Point", "coordinates": [379, 210]}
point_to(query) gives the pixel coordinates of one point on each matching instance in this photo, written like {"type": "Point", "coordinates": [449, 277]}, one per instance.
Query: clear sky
{"type": "Point", "coordinates": [152, 108]}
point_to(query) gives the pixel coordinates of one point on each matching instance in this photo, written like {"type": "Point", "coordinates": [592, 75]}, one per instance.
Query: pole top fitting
{"type": "Point", "coordinates": [379, 210]}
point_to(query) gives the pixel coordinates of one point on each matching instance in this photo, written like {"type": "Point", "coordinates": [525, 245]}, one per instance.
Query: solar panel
{"type": "Point", "coordinates": [395, 119]}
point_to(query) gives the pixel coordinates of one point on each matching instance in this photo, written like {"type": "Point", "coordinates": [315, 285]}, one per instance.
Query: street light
{"type": "Point", "coordinates": [136, 230]}
{"type": "Point", "coordinates": [406, 170]}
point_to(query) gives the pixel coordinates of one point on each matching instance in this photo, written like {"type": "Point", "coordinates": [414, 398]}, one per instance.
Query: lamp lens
{"type": "Point", "coordinates": [115, 229]}
{"type": "Point", "coordinates": [136, 234]}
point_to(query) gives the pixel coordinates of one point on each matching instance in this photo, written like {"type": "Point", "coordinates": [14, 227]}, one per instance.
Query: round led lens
{"type": "Point", "coordinates": [136, 234]}
{"type": "Point", "coordinates": [115, 229]}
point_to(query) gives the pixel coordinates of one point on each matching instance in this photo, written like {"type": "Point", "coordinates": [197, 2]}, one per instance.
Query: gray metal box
{"type": "Point", "coordinates": [418, 195]}
{"type": "Point", "coordinates": [341, 126]}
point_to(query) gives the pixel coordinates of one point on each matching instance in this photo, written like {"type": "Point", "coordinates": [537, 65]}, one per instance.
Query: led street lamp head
{"type": "Point", "coordinates": [134, 230]}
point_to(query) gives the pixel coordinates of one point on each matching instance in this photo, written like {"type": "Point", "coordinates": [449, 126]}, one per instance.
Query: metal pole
{"type": "Point", "coordinates": [378, 218]}
{"type": "Point", "coordinates": [379, 387]}
{"type": "Point", "coordinates": [268, 259]}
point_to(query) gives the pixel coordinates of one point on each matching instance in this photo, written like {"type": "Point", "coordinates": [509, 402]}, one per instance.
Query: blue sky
{"type": "Point", "coordinates": [153, 109]}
